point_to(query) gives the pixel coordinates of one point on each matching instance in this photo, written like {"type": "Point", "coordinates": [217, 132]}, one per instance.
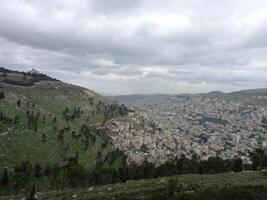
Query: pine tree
{"type": "Point", "coordinates": [32, 193]}
{"type": "Point", "coordinates": [5, 178]}
{"type": "Point", "coordinates": [44, 118]}
{"type": "Point", "coordinates": [16, 119]}
{"type": "Point", "coordinates": [19, 103]}
{"type": "Point", "coordinates": [237, 165]}
{"type": "Point", "coordinates": [2, 95]}
{"type": "Point", "coordinates": [47, 170]}
{"type": "Point", "coordinates": [35, 127]}
{"type": "Point", "coordinates": [38, 171]}
{"type": "Point", "coordinates": [54, 120]}
{"type": "Point", "coordinates": [99, 160]}
{"type": "Point", "coordinates": [44, 138]}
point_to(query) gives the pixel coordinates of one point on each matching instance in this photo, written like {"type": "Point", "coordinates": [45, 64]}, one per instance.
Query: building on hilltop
{"type": "Point", "coordinates": [33, 71]}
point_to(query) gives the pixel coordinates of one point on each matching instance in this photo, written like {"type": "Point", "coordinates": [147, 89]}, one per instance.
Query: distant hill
{"type": "Point", "coordinates": [135, 97]}
{"type": "Point", "coordinates": [251, 92]}
{"type": "Point", "coordinates": [254, 96]}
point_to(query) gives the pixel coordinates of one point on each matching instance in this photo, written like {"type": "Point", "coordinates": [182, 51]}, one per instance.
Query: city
{"type": "Point", "coordinates": [208, 125]}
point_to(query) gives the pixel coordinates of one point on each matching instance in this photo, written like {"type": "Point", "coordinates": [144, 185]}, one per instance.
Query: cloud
{"type": "Point", "coordinates": [123, 46]}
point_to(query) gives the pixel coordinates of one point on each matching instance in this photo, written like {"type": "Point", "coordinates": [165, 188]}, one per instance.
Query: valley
{"type": "Point", "coordinates": [56, 136]}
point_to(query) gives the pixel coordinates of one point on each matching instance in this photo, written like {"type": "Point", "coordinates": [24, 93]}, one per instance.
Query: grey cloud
{"type": "Point", "coordinates": [195, 42]}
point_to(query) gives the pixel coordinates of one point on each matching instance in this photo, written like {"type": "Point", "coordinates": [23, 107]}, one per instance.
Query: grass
{"type": "Point", "coordinates": [219, 186]}
{"type": "Point", "coordinates": [50, 98]}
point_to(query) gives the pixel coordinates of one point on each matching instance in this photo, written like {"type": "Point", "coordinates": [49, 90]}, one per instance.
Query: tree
{"type": "Point", "coordinates": [47, 170]}
{"type": "Point", "coordinates": [60, 136]}
{"type": "Point", "coordinates": [237, 165]}
{"type": "Point", "coordinates": [194, 163]}
{"type": "Point", "coordinates": [44, 118]}
{"type": "Point", "coordinates": [38, 171]}
{"type": "Point", "coordinates": [16, 119]}
{"type": "Point", "coordinates": [77, 155]}
{"type": "Point", "coordinates": [74, 172]}
{"type": "Point", "coordinates": [19, 103]}
{"type": "Point", "coordinates": [35, 127]}
{"type": "Point", "coordinates": [104, 144]}
{"type": "Point", "coordinates": [182, 164]}
{"type": "Point", "coordinates": [172, 186]}
{"type": "Point", "coordinates": [54, 120]}
{"type": "Point", "coordinates": [32, 193]}
{"type": "Point", "coordinates": [146, 170]}
{"type": "Point", "coordinates": [44, 138]}
{"type": "Point", "coordinates": [30, 118]}
{"type": "Point", "coordinates": [5, 178]}
{"type": "Point", "coordinates": [2, 95]}
{"type": "Point", "coordinates": [65, 112]}
{"type": "Point", "coordinates": [259, 159]}
{"type": "Point", "coordinates": [23, 173]}
{"type": "Point", "coordinates": [215, 165]}
{"type": "Point", "coordinates": [99, 160]}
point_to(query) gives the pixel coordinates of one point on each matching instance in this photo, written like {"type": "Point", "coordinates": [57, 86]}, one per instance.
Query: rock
{"type": "Point", "coordinates": [74, 196]}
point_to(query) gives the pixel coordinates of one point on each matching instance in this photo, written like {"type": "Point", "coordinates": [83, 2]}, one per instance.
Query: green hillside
{"type": "Point", "coordinates": [54, 140]}
{"type": "Point", "coordinates": [42, 123]}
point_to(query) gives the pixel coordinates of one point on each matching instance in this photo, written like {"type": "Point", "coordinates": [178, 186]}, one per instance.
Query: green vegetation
{"type": "Point", "coordinates": [245, 186]}
{"type": "Point", "coordinates": [52, 138]}
{"type": "Point", "coordinates": [48, 123]}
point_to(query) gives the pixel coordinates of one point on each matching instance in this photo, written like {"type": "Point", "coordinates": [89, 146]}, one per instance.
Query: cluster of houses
{"type": "Point", "coordinates": [207, 126]}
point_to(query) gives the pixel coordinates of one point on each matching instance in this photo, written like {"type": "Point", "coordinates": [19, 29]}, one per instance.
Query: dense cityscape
{"type": "Point", "coordinates": [208, 125]}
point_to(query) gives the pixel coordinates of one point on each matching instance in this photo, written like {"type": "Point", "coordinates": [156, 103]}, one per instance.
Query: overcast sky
{"type": "Point", "coordinates": [139, 46]}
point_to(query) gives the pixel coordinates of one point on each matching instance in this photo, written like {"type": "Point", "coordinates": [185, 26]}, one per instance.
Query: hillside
{"type": "Point", "coordinates": [238, 186]}
{"type": "Point", "coordinates": [45, 122]}
{"type": "Point", "coordinates": [55, 136]}
{"type": "Point", "coordinates": [243, 95]}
